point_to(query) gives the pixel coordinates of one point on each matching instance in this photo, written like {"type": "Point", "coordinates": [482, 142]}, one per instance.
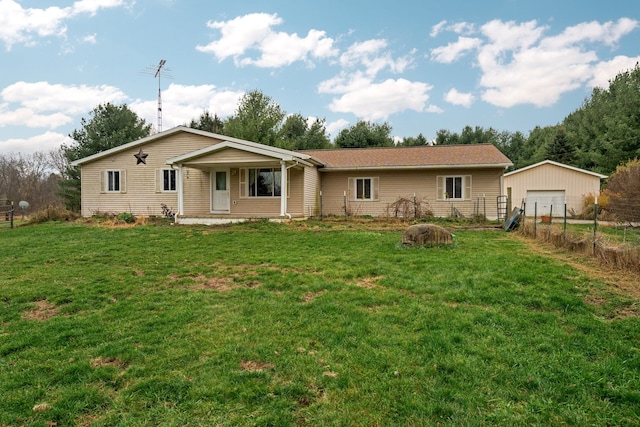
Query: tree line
{"type": "Point", "coordinates": [601, 135]}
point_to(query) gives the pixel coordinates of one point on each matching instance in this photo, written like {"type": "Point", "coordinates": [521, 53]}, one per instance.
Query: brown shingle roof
{"type": "Point", "coordinates": [476, 155]}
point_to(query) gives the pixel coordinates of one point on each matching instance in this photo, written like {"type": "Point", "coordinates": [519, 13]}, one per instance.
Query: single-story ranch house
{"type": "Point", "coordinates": [209, 178]}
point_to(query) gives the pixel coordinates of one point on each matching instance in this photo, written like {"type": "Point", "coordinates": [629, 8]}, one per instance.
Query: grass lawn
{"type": "Point", "coordinates": [305, 324]}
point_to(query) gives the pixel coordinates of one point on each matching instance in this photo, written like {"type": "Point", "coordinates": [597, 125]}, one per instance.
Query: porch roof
{"type": "Point", "coordinates": [246, 146]}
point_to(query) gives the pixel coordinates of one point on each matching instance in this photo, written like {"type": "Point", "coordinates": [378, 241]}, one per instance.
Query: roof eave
{"type": "Point", "coordinates": [416, 167]}
{"type": "Point", "coordinates": [561, 165]}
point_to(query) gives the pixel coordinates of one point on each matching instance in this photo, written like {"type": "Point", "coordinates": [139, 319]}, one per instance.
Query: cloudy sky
{"type": "Point", "coordinates": [420, 65]}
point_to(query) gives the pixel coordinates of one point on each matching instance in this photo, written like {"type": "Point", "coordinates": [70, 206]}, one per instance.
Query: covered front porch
{"type": "Point", "coordinates": [230, 182]}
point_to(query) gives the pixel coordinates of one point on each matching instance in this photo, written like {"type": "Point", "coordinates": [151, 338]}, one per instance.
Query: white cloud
{"type": "Point", "coordinates": [93, 6]}
{"type": "Point", "coordinates": [46, 105]}
{"type": "Point", "coordinates": [608, 33]}
{"type": "Point", "coordinates": [458, 98]}
{"type": "Point", "coordinates": [453, 51]}
{"type": "Point", "coordinates": [181, 104]}
{"type": "Point", "coordinates": [436, 29]}
{"type": "Point", "coordinates": [465, 28]}
{"type": "Point", "coordinates": [254, 32]}
{"type": "Point", "coordinates": [90, 38]}
{"type": "Point", "coordinates": [521, 64]}
{"type": "Point", "coordinates": [607, 70]}
{"type": "Point", "coordinates": [335, 127]}
{"type": "Point", "coordinates": [43, 143]}
{"type": "Point", "coordinates": [29, 118]}
{"type": "Point", "coordinates": [462, 28]}
{"type": "Point", "coordinates": [359, 91]}
{"type": "Point", "coordinates": [434, 109]}
{"type": "Point", "coordinates": [21, 25]}
{"type": "Point", "coordinates": [368, 54]}
{"type": "Point", "coordinates": [377, 101]}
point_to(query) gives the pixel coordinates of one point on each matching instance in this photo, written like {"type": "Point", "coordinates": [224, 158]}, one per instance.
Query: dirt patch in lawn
{"type": "Point", "coordinates": [369, 282]}
{"type": "Point", "coordinates": [220, 284]}
{"type": "Point", "coordinates": [42, 311]}
{"type": "Point", "coordinates": [254, 366]}
{"type": "Point", "coordinates": [310, 296]}
{"type": "Point", "coordinates": [107, 361]}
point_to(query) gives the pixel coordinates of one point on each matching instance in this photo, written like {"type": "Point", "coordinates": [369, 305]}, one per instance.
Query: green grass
{"type": "Point", "coordinates": [266, 324]}
{"type": "Point", "coordinates": [614, 234]}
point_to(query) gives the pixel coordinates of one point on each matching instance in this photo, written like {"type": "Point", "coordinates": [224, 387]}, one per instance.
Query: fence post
{"type": "Point", "coordinates": [535, 218]}
{"type": "Point", "coordinates": [415, 207]}
{"type": "Point", "coordinates": [565, 221]}
{"type": "Point", "coordinates": [484, 202]}
{"type": "Point", "coordinates": [346, 215]}
{"type": "Point", "coordinates": [320, 205]}
{"type": "Point", "coordinates": [551, 214]}
{"type": "Point", "coordinates": [595, 224]}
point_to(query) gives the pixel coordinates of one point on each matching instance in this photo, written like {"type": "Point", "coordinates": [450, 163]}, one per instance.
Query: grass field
{"type": "Point", "coordinates": [305, 324]}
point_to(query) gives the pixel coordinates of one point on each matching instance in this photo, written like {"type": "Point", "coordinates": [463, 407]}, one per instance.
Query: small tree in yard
{"type": "Point", "coordinates": [623, 192]}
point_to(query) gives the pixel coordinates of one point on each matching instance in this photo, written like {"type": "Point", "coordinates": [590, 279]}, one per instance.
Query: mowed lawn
{"type": "Point", "coordinates": [305, 324]}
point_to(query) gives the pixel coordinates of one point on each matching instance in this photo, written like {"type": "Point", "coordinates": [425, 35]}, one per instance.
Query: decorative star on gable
{"type": "Point", "coordinates": [141, 157]}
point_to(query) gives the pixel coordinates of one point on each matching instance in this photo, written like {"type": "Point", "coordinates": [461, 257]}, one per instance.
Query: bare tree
{"type": "Point", "coordinates": [30, 178]}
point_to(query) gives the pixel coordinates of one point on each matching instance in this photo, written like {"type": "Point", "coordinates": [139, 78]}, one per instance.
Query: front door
{"type": "Point", "coordinates": [220, 191]}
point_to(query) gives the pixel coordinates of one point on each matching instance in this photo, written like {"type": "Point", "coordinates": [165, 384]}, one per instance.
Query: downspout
{"type": "Point", "coordinates": [180, 191]}
{"type": "Point", "coordinates": [283, 187]}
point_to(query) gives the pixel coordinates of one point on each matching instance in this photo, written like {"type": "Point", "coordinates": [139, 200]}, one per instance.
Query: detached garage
{"type": "Point", "coordinates": [548, 185]}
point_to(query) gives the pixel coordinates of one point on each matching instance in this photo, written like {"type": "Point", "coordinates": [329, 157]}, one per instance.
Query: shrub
{"type": "Point", "coordinates": [588, 204]}
{"type": "Point", "coordinates": [406, 207]}
{"type": "Point", "coordinates": [51, 213]}
{"type": "Point", "coordinates": [623, 192]}
{"type": "Point", "coordinates": [126, 217]}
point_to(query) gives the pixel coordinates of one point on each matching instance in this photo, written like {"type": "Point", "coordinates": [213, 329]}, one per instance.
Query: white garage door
{"type": "Point", "coordinates": [543, 201]}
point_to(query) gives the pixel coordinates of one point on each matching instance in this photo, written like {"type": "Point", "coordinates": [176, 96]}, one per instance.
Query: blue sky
{"type": "Point", "coordinates": [421, 66]}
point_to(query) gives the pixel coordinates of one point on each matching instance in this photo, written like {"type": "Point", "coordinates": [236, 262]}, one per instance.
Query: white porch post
{"type": "Point", "coordinates": [180, 191]}
{"type": "Point", "coordinates": [283, 188]}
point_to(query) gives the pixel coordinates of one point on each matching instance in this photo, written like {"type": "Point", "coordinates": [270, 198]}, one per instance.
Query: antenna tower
{"type": "Point", "coordinates": [157, 71]}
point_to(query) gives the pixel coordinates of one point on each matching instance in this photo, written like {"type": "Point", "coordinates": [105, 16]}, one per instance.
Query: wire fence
{"type": "Point", "coordinates": [6, 213]}
{"type": "Point", "coordinates": [614, 241]}
{"type": "Point", "coordinates": [411, 207]}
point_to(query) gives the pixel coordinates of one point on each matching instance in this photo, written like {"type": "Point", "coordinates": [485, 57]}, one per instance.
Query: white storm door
{"type": "Point", "coordinates": [220, 191]}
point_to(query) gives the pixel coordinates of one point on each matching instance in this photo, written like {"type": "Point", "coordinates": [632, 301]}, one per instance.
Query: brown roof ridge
{"type": "Point", "coordinates": [395, 147]}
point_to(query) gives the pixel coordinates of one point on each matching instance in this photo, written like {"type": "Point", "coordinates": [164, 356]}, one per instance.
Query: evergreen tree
{"type": "Point", "coordinates": [208, 123]}
{"type": "Point", "coordinates": [561, 150]}
{"type": "Point", "coordinates": [257, 119]}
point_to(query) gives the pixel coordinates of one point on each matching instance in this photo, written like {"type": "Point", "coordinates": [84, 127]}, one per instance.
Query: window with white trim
{"type": "Point", "coordinates": [363, 189]}
{"type": "Point", "coordinates": [260, 182]}
{"type": "Point", "coordinates": [169, 179]}
{"type": "Point", "coordinates": [113, 181]}
{"type": "Point", "coordinates": [454, 187]}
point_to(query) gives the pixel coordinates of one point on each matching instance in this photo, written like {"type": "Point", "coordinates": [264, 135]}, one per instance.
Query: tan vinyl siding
{"type": "Point", "coordinates": [141, 197]}
{"type": "Point", "coordinates": [549, 177]}
{"type": "Point", "coordinates": [311, 192]}
{"type": "Point", "coordinates": [231, 155]}
{"type": "Point", "coordinates": [295, 202]}
{"type": "Point", "coordinates": [197, 191]}
{"type": "Point", "coordinates": [485, 188]}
